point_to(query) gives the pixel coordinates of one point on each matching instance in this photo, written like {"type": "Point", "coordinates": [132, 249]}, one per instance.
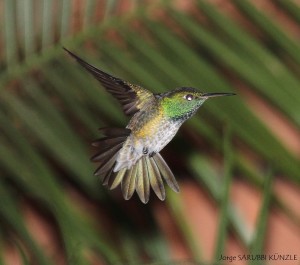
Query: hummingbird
{"type": "Point", "coordinates": [130, 156]}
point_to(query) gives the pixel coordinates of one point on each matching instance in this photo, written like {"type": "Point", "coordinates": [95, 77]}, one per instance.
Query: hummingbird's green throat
{"type": "Point", "coordinates": [130, 157]}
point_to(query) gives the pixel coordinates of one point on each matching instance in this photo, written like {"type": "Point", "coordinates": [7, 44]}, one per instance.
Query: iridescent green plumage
{"type": "Point", "coordinates": [130, 157]}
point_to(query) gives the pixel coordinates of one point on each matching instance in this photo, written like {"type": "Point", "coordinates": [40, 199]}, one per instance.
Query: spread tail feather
{"type": "Point", "coordinates": [166, 172]}
{"type": "Point", "coordinates": [149, 171]}
{"type": "Point", "coordinates": [107, 150]}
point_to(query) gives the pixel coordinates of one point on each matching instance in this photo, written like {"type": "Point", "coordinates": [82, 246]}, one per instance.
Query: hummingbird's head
{"type": "Point", "coordinates": [183, 102]}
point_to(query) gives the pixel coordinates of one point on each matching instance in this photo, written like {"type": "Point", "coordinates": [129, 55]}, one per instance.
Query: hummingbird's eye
{"type": "Point", "coordinates": [189, 97]}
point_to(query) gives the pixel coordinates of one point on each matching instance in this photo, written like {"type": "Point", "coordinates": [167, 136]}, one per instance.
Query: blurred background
{"type": "Point", "coordinates": [237, 160]}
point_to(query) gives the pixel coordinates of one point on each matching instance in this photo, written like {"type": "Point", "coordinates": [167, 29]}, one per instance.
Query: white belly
{"type": "Point", "coordinates": [135, 147]}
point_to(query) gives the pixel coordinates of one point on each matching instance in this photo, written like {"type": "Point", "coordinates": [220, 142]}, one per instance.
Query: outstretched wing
{"type": "Point", "coordinates": [132, 97]}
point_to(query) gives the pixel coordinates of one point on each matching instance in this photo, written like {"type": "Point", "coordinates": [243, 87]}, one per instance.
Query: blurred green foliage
{"type": "Point", "coordinates": [50, 110]}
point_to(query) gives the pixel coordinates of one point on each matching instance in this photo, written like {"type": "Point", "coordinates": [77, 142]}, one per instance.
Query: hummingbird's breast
{"type": "Point", "coordinates": [151, 131]}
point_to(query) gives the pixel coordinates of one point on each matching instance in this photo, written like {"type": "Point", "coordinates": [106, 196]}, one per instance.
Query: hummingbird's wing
{"type": "Point", "coordinates": [132, 97]}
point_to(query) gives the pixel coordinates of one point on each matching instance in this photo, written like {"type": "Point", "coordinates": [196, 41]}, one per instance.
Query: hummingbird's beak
{"type": "Point", "coordinates": [211, 95]}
